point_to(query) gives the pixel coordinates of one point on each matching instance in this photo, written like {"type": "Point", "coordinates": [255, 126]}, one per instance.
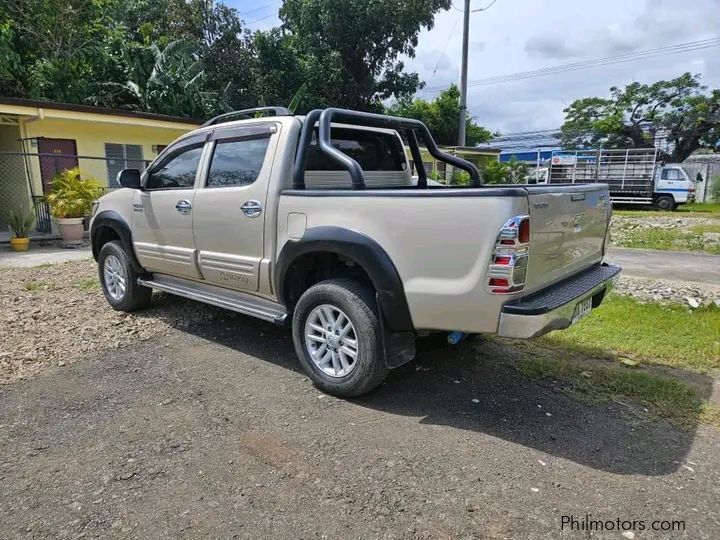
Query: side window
{"type": "Point", "coordinates": [670, 174]}
{"type": "Point", "coordinates": [177, 171]}
{"type": "Point", "coordinates": [237, 162]}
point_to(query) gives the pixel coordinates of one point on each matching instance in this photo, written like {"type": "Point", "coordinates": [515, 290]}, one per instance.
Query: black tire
{"type": "Point", "coordinates": [665, 203]}
{"type": "Point", "coordinates": [358, 304]}
{"type": "Point", "coordinates": [134, 296]}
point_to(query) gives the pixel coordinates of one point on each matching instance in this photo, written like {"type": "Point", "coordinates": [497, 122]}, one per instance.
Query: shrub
{"type": "Point", "coordinates": [21, 222]}
{"type": "Point", "coordinates": [72, 195]}
{"type": "Point", "coordinates": [715, 189]}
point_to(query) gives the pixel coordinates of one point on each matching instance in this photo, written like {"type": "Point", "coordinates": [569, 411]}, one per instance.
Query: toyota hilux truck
{"type": "Point", "coordinates": [317, 222]}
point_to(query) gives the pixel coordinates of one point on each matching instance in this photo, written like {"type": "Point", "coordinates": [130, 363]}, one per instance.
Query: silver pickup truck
{"type": "Point", "coordinates": [316, 221]}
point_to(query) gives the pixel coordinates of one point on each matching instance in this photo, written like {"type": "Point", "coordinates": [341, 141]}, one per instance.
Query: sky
{"type": "Point", "coordinates": [520, 35]}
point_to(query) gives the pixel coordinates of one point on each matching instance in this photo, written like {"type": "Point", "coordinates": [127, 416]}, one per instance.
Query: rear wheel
{"type": "Point", "coordinates": [665, 203]}
{"type": "Point", "coordinates": [118, 279]}
{"type": "Point", "coordinates": [336, 332]}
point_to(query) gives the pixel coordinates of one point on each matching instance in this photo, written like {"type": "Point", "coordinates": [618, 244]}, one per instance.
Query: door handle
{"type": "Point", "coordinates": [251, 208]}
{"type": "Point", "coordinates": [183, 206]}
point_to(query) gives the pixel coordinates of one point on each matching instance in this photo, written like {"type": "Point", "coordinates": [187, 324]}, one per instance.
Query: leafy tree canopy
{"type": "Point", "coordinates": [441, 116]}
{"type": "Point", "coordinates": [197, 58]}
{"type": "Point", "coordinates": [678, 116]}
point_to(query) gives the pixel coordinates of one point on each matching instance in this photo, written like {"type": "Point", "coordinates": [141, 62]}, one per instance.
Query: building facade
{"type": "Point", "coordinates": [38, 139]}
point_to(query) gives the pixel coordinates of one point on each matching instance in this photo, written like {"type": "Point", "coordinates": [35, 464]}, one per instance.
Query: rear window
{"type": "Point", "coordinates": [372, 150]}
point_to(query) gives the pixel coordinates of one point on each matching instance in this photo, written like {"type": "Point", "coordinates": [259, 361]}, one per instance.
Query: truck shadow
{"type": "Point", "coordinates": [477, 387]}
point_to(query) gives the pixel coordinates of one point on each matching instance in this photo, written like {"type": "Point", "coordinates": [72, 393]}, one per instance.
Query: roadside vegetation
{"type": "Point", "coordinates": [692, 228]}
{"type": "Point", "coordinates": [695, 238]}
{"type": "Point", "coordinates": [663, 357]}
{"type": "Point", "coordinates": [700, 210]}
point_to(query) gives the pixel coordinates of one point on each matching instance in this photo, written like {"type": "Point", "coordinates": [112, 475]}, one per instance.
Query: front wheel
{"type": "Point", "coordinates": [665, 203]}
{"type": "Point", "coordinates": [118, 279]}
{"type": "Point", "coordinates": [337, 337]}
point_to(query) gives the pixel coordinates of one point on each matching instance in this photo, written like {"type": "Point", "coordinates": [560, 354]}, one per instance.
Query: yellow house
{"type": "Point", "coordinates": [477, 155]}
{"type": "Point", "coordinates": [38, 139]}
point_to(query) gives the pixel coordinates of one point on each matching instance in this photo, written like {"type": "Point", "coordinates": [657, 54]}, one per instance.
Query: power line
{"type": "Point", "coordinates": [447, 42]}
{"type": "Point", "coordinates": [628, 57]}
{"type": "Point", "coordinates": [260, 8]}
{"type": "Point", "coordinates": [262, 18]}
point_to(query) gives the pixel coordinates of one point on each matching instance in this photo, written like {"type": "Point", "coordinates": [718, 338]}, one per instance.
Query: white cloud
{"type": "Point", "coordinates": [523, 35]}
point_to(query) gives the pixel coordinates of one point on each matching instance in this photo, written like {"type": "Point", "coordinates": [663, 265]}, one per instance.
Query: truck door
{"type": "Point", "coordinates": [163, 211]}
{"type": "Point", "coordinates": [673, 181]}
{"type": "Point", "coordinates": [230, 205]}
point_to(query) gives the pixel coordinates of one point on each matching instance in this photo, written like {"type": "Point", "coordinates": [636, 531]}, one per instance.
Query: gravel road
{"type": "Point", "coordinates": [188, 422]}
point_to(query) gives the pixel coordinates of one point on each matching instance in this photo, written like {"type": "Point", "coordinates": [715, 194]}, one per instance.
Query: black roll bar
{"type": "Point", "coordinates": [327, 116]}
{"type": "Point", "coordinates": [219, 119]}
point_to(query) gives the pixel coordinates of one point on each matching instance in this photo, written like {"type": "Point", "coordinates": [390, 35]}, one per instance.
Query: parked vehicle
{"type": "Point", "coordinates": [635, 175]}
{"type": "Point", "coordinates": [316, 222]}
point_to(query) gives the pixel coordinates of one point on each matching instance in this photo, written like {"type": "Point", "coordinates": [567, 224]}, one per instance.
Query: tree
{"type": "Point", "coordinates": [51, 49]}
{"type": "Point", "coordinates": [511, 172]}
{"type": "Point", "coordinates": [679, 112]}
{"type": "Point", "coordinates": [347, 50]}
{"type": "Point", "coordinates": [441, 116]}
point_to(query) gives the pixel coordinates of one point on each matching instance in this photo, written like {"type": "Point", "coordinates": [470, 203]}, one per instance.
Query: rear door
{"type": "Point", "coordinates": [567, 230]}
{"type": "Point", "coordinates": [230, 205]}
{"type": "Point", "coordinates": [163, 211]}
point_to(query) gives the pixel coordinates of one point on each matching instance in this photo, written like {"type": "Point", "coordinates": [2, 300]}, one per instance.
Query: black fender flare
{"type": "Point", "coordinates": [112, 220]}
{"type": "Point", "coordinates": [364, 251]}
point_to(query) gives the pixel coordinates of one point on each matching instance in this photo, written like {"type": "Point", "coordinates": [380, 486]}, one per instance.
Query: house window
{"type": "Point", "coordinates": [122, 156]}
{"type": "Point", "coordinates": [428, 166]}
{"type": "Point", "coordinates": [441, 167]}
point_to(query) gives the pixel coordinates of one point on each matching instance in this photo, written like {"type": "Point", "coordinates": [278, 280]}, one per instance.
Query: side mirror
{"type": "Point", "coordinates": [129, 178]}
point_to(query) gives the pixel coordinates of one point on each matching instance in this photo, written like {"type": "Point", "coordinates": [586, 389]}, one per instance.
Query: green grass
{"type": "Point", "coordinates": [34, 286]}
{"type": "Point", "coordinates": [707, 228]}
{"type": "Point", "coordinates": [672, 239]}
{"type": "Point", "coordinates": [669, 335]}
{"type": "Point", "coordinates": [669, 398]}
{"type": "Point", "coordinates": [87, 284]}
{"type": "Point", "coordinates": [706, 210]}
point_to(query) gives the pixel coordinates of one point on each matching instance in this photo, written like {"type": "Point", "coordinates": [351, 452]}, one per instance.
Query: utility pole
{"type": "Point", "coordinates": [463, 75]}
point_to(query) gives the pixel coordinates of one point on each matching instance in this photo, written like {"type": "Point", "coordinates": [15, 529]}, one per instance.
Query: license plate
{"type": "Point", "coordinates": [582, 308]}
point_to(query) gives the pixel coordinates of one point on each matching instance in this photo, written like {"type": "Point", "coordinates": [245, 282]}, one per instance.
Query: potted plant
{"type": "Point", "coordinates": [20, 224]}
{"type": "Point", "coordinates": [70, 201]}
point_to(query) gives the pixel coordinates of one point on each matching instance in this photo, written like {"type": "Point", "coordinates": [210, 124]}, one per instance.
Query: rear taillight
{"type": "Point", "coordinates": [507, 270]}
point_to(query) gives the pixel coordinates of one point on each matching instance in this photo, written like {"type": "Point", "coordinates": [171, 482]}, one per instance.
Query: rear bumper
{"type": "Point", "coordinates": [553, 308]}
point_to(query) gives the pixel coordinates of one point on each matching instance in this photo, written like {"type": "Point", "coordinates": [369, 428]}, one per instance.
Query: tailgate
{"type": "Point", "coordinates": [567, 230]}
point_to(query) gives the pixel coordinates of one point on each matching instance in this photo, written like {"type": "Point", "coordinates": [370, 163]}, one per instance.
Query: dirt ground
{"type": "Point", "coordinates": [214, 434]}
{"type": "Point", "coordinates": [204, 427]}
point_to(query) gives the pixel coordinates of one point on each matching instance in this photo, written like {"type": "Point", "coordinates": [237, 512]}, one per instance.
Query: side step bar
{"type": "Point", "coordinates": [246, 304]}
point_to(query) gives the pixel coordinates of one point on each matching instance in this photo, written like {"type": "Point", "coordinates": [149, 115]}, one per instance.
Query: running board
{"type": "Point", "coordinates": [244, 303]}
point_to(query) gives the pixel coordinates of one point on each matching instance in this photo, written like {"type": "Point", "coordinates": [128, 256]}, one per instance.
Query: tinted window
{"type": "Point", "coordinates": [177, 170]}
{"type": "Point", "coordinates": [237, 163]}
{"type": "Point", "coordinates": [372, 150]}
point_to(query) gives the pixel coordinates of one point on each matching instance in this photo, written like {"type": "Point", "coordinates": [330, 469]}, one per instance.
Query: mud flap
{"type": "Point", "coordinates": [398, 347]}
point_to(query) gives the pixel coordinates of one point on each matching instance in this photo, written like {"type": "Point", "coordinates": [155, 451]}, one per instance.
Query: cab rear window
{"type": "Point", "coordinates": [374, 151]}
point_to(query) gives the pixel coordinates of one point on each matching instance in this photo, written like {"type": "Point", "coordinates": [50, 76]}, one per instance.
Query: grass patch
{"type": "Point", "coordinates": [706, 228]}
{"type": "Point", "coordinates": [706, 210]}
{"type": "Point", "coordinates": [672, 239]}
{"type": "Point", "coordinates": [87, 284]}
{"type": "Point", "coordinates": [34, 286]}
{"type": "Point", "coordinates": [668, 398]}
{"type": "Point", "coordinates": [668, 335]}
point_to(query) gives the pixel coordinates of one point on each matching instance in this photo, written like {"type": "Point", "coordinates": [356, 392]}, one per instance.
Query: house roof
{"type": "Point", "coordinates": [40, 104]}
